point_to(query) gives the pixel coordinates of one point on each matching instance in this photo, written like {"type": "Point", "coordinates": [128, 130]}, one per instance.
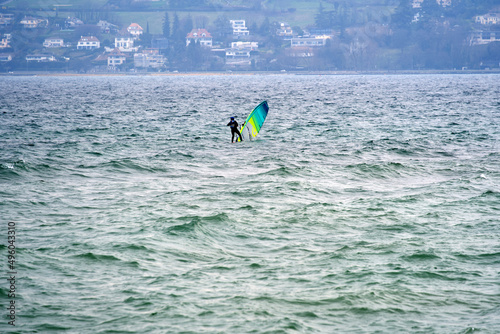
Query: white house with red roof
{"type": "Point", "coordinates": [202, 36]}
{"type": "Point", "coordinates": [135, 30]}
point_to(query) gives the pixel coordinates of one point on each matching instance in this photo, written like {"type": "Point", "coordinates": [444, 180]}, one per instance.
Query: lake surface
{"type": "Point", "coordinates": [368, 204]}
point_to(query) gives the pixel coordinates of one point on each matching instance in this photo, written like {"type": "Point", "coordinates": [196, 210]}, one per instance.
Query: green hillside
{"type": "Point", "coordinates": [123, 12]}
{"type": "Point", "coordinates": [363, 34]}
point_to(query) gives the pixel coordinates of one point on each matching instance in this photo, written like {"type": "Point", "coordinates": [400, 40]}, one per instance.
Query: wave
{"type": "Point", "coordinates": [195, 222]}
{"type": "Point", "coordinates": [421, 256]}
{"type": "Point", "coordinates": [125, 165]}
{"type": "Point", "coordinates": [381, 170]}
{"type": "Point", "coordinates": [97, 257]}
{"type": "Point", "coordinates": [8, 171]}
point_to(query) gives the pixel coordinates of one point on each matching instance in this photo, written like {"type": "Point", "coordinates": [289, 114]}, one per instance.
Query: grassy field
{"type": "Point", "coordinates": [295, 12]}
{"type": "Point", "coordinates": [44, 4]}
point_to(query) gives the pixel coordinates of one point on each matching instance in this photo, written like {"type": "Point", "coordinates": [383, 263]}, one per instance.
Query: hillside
{"type": "Point", "coordinates": [295, 12]}
{"type": "Point", "coordinates": [355, 35]}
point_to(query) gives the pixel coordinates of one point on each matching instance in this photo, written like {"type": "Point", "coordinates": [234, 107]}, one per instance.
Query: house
{"type": "Point", "coordinates": [443, 3]}
{"type": "Point", "coordinates": [316, 41]}
{"type": "Point", "coordinates": [300, 52]}
{"type": "Point", "coordinates": [5, 41]}
{"type": "Point", "coordinates": [150, 58]}
{"type": "Point", "coordinates": [240, 52]}
{"type": "Point", "coordinates": [251, 46]}
{"type": "Point", "coordinates": [484, 37]}
{"type": "Point", "coordinates": [116, 58]}
{"type": "Point", "coordinates": [234, 54]}
{"type": "Point", "coordinates": [235, 58]}
{"type": "Point", "coordinates": [487, 19]}
{"type": "Point", "coordinates": [203, 37]}
{"type": "Point", "coordinates": [30, 22]}
{"type": "Point", "coordinates": [5, 57]}
{"type": "Point", "coordinates": [72, 22]}
{"type": "Point", "coordinates": [135, 30]}
{"type": "Point", "coordinates": [107, 27]}
{"type": "Point", "coordinates": [239, 28]}
{"type": "Point", "coordinates": [88, 43]}
{"type": "Point", "coordinates": [40, 58]}
{"type": "Point", "coordinates": [113, 58]}
{"type": "Point", "coordinates": [53, 42]}
{"type": "Point", "coordinates": [284, 30]}
{"type": "Point", "coordinates": [125, 44]}
{"type": "Point", "coordinates": [6, 19]}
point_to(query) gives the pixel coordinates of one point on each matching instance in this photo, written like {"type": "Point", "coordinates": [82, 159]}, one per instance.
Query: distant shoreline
{"type": "Point", "coordinates": [229, 73]}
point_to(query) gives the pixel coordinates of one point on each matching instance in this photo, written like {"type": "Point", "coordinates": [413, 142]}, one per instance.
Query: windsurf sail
{"type": "Point", "coordinates": [254, 122]}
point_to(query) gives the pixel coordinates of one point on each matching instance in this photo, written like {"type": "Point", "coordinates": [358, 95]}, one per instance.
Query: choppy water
{"type": "Point", "coordinates": [369, 204]}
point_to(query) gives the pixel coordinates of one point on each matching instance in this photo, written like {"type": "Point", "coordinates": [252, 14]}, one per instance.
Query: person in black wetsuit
{"type": "Point", "coordinates": [234, 130]}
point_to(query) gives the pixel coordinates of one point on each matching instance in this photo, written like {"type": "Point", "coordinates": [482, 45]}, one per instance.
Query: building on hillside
{"type": "Point", "coordinates": [125, 44]}
{"type": "Point", "coordinates": [53, 42]}
{"type": "Point", "coordinates": [135, 30]}
{"type": "Point", "coordinates": [72, 23]}
{"type": "Point", "coordinates": [300, 52]}
{"type": "Point", "coordinates": [113, 58]}
{"type": "Point", "coordinates": [40, 58]}
{"type": "Point", "coordinates": [313, 32]}
{"type": "Point", "coordinates": [88, 43]}
{"type": "Point", "coordinates": [30, 22]}
{"type": "Point", "coordinates": [5, 57]}
{"type": "Point", "coordinates": [6, 19]}
{"type": "Point", "coordinates": [150, 58]}
{"type": "Point", "coordinates": [239, 28]}
{"type": "Point", "coordinates": [317, 41]}
{"type": "Point", "coordinates": [107, 27]}
{"type": "Point", "coordinates": [443, 3]}
{"type": "Point", "coordinates": [237, 54]}
{"type": "Point", "coordinates": [238, 58]}
{"type": "Point", "coordinates": [285, 31]}
{"type": "Point", "coordinates": [487, 19]}
{"type": "Point", "coordinates": [484, 37]}
{"type": "Point", "coordinates": [5, 41]}
{"type": "Point", "coordinates": [251, 46]}
{"type": "Point", "coordinates": [202, 36]}
{"type": "Point", "coordinates": [116, 58]}
{"type": "Point", "coordinates": [241, 53]}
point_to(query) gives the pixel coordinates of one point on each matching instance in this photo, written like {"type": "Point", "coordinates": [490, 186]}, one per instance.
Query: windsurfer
{"type": "Point", "coordinates": [234, 129]}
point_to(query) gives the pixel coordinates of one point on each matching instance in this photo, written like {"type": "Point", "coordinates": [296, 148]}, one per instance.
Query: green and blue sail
{"type": "Point", "coordinates": [254, 121]}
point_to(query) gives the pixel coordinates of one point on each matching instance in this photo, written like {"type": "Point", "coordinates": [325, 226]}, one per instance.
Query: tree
{"type": "Point", "coordinates": [176, 27]}
{"type": "Point", "coordinates": [187, 26]}
{"type": "Point", "coordinates": [403, 15]}
{"type": "Point", "coordinates": [322, 20]}
{"type": "Point", "coordinates": [431, 10]}
{"type": "Point", "coordinates": [222, 29]}
{"type": "Point", "coordinates": [201, 21]}
{"type": "Point", "coordinates": [298, 30]}
{"type": "Point", "coordinates": [265, 27]}
{"type": "Point", "coordinates": [194, 56]}
{"type": "Point", "coordinates": [176, 4]}
{"type": "Point", "coordinates": [166, 25]}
